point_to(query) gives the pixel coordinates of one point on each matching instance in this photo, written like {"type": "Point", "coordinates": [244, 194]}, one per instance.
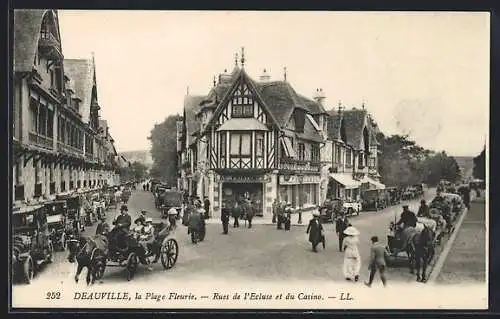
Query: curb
{"type": "Point", "coordinates": [436, 270]}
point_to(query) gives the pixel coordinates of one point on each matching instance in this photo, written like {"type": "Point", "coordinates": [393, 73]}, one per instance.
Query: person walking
{"type": "Point", "coordinates": [287, 218]}
{"type": "Point", "coordinates": [250, 212]}
{"type": "Point", "coordinates": [315, 231]}
{"type": "Point", "coordinates": [352, 259]}
{"type": "Point", "coordinates": [275, 210]}
{"type": "Point", "coordinates": [236, 214]}
{"type": "Point", "coordinates": [224, 217]}
{"type": "Point", "coordinates": [341, 223]}
{"type": "Point", "coordinates": [206, 205]}
{"type": "Point", "coordinates": [377, 261]}
{"type": "Point", "coordinates": [281, 215]}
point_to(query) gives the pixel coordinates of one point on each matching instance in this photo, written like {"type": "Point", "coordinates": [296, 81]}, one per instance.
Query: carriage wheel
{"type": "Point", "coordinates": [28, 270]}
{"type": "Point", "coordinates": [50, 253]}
{"type": "Point", "coordinates": [64, 242]}
{"type": "Point", "coordinates": [131, 265]}
{"type": "Point", "coordinates": [169, 253]}
{"type": "Point", "coordinates": [388, 256]}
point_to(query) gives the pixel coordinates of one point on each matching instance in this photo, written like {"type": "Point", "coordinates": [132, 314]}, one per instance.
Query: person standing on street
{"type": "Point", "coordinates": [206, 205]}
{"type": "Point", "coordinates": [280, 215]}
{"type": "Point", "coordinates": [315, 231]}
{"type": "Point", "coordinates": [250, 212]}
{"type": "Point", "coordinates": [287, 219]}
{"type": "Point", "coordinates": [377, 261]}
{"type": "Point", "coordinates": [352, 259]}
{"type": "Point", "coordinates": [236, 214]}
{"type": "Point", "coordinates": [275, 209]}
{"type": "Point", "coordinates": [341, 223]}
{"type": "Point", "coordinates": [224, 217]}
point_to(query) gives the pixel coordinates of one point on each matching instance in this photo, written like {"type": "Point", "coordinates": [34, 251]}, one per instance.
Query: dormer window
{"type": "Point", "coordinates": [242, 103]}
{"type": "Point", "coordinates": [300, 120]}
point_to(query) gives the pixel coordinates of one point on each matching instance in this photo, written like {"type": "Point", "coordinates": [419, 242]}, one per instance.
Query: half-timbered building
{"type": "Point", "coordinates": [255, 139]}
{"type": "Point", "coordinates": [58, 144]}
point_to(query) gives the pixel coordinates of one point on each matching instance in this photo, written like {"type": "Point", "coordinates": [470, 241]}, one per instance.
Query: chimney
{"type": "Point", "coordinates": [265, 77]}
{"type": "Point", "coordinates": [319, 96]}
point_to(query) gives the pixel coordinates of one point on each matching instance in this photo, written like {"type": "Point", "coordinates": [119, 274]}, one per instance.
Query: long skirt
{"type": "Point", "coordinates": [352, 265]}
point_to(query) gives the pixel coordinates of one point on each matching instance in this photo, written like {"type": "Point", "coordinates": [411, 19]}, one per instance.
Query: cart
{"type": "Point", "coordinates": [56, 220]}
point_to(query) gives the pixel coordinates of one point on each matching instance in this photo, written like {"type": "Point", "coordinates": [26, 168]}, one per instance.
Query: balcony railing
{"type": "Point", "coordinates": [298, 165]}
{"type": "Point", "coordinates": [41, 141]}
{"type": "Point", "coordinates": [68, 149]}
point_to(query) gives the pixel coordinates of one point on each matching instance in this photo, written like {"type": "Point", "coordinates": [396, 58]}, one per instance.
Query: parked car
{"type": "Point", "coordinates": [375, 199]}
{"type": "Point", "coordinates": [56, 221]}
{"type": "Point", "coordinates": [171, 198]}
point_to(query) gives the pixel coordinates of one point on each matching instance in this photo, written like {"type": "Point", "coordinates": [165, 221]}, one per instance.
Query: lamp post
{"type": "Point", "coordinates": [301, 180]}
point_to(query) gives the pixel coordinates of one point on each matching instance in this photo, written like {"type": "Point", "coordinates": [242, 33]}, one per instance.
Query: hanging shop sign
{"type": "Point", "coordinates": [294, 179]}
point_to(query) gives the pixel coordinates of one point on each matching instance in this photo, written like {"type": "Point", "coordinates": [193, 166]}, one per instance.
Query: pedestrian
{"type": "Point", "coordinates": [281, 215]}
{"type": "Point", "coordinates": [236, 214]}
{"type": "Point", "coordinates": [315, 231]}
{"type": "Point", "coordinates": [275, 210]}
{"type": "Point", "coordinates": [206, 205]}
{"type": "Point", "coordinates": [224, 218]}
{"type": "Point", "coordinates": [287, 217]}
{"type": "Point", "coordinates": [341, 223]}
{"type": "Point", "coordinates": [352, 259]}
{"type": "Point", "coordinates": [377, 261]}
{"type": "Point", "coordinates": [194, 226]}
{"type": "Point", "coordinates": [250, 212]}
{"type": "Point", "coordinates": [172, 217]}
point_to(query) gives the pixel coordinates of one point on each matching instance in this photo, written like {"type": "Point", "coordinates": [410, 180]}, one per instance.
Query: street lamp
{"type": "Point", "coordinates": [301, 180]}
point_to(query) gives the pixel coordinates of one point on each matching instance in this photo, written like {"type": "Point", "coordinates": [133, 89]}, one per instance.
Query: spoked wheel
{"type": "Point", "coordinates": [28, 270]}
{"type": "Point", "coordinates": [50, 253]}
{"type": "Point", "coordinates": [169, 253]}
{"type": "Point", "coordinates": [64, 243]}
{"type": "Point", "coordinates": [132, 263]}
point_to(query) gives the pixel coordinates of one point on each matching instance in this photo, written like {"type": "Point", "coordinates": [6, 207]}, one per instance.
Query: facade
{"type": "Point", "coordinates": [255, 139]}
{"type": "Point", "coordinates": [353, 150]}
{"type": "Point", "coordinates": [59, 142]}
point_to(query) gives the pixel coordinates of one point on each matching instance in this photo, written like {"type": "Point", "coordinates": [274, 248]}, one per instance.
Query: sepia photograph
{"type": "Point", "coordinates": [249, 159]}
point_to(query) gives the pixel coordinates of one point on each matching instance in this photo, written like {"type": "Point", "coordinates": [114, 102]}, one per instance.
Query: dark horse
{"type": "Point", "coordinates": [420, 251]}
{"type": "Point", "coordinates": [88, 254]}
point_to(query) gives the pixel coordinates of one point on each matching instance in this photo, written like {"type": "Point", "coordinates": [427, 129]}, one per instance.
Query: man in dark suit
{"type": "Point", "coordinates": [377, 261]}
{"type": "Point", "coordinates": [206, 205]}
{"type": "Point", "coordinates": [341, 223]}
{"type": "Point", "coordinates": [315, 231]}
{"type": "Point", "coordinates": [407, 218]}
{"type": "Point", "coordinates": [123, 219]}
{"type": "Point", "coordinates": [224, 217]}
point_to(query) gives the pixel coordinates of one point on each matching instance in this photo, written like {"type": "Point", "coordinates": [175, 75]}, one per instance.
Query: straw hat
{"type": "Point", "coordinates": [149, 220]}
{"type": "Point", "coordinates": [351, 231]}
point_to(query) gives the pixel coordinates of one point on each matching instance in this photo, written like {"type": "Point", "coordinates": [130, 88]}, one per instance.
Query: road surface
{"type": "Point", "coordinates": [262, 253]}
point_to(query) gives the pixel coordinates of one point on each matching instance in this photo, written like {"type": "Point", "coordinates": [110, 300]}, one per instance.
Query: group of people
{"type": "Point", "coordinates": [243, 209]}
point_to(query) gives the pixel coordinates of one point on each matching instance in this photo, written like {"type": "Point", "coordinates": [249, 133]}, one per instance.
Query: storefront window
{"type": "Point", "coordinates": [348, 157]}
{"type": "Point", "coordinates": [240, 144]}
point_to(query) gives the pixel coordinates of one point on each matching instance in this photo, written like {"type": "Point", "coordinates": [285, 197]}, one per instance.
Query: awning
{"type": "Point", "coordinates": [367, 179]}
{"type": "Point", "coordinates": [244, 124]}
{"type": "Point", "coordinates": [54, 218]}
{"type": "Point", "coordinates": [346, 180]}
{"type": "Point", "coordinates": [287, 146]}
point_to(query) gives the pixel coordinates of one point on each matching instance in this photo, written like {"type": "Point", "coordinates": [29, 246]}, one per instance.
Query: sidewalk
{"type": "Point", "coordinates": [267, 220]}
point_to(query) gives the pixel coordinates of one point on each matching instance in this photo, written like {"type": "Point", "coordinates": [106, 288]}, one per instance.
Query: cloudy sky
{"type": "Point", "coordinates": [422, 74]}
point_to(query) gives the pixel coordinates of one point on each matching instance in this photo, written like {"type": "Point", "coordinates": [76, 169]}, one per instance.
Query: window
{"type": "Point", "coordinates": [302, 152]}
{"type": "Point", "coordinates": [34, 114]}
{"type": "Point", "coordinates": [240, 144]}
{"type": "Point", "coordinates": [19, 173]}
{"type": "Point", "coordinates": [259, 144]}
{"type": "Point", "coordinates": [315, 153]}
{"type": "Point", "coordinates": [223, 144]}
{"type": "Point", "coordinates": [300, 120]}
{"type": "Point", "coordinates": [242, 111]}
{"type": "Point", "coordinates": [52, 78]}
{"type": "Point", "coordinates": [37, 172]}
{"type": "Point", "coordinates": [348, 157]}
{"type": "Point", "coordinates": [360, 160]}
{"type": "Point", "coordinates": [242, 105]}
{"type": "Point", "coordinates": [371, 162]}
{"type": "Point", "coordinates": [50, 123]}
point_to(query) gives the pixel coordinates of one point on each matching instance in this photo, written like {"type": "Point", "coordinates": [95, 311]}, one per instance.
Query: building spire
{"type": "Point", "coordinates": [284, 73]}
{"type": "Point", "coordinates": [363, 104]}
{"type": "Point", "coordinates": [242, 57]}
{"type": "Point", "coordinates": [236, 59]}
{"type": "Point", "coordinates": [214, 81]}
{"type": "Point", "coordinates": [340, 106]}
{"type": "Point", "coordinates": [187, 90]}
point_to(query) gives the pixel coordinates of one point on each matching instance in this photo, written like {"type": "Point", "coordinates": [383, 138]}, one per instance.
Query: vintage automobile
{"type": "Point", "coordinates": [419, 190]}
{"type": "Point", "coordinates": [56, 220]}
{"type": "Point", "coordinates": [337, 206]}
{"type": "Point", "coordinates": [171, 198]}
{"type": "Point", "coordinates": [375, 199]}
{"type": "Point", "coordinates": [31, 244]}
{"type": "Point", "coordinates": [158, 193]}
{"type": "Point", "coordinates": [394, 195]}
{"type": "Point", "coordinates": [73, 203]}
{"type": "Point", "coordinates": [409, 193]}
{"type": "Point", "coordinates": [352, 207]}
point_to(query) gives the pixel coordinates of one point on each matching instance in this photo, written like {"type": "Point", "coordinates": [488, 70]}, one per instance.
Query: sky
{"type": "Point", "coordinates": [422, 74]}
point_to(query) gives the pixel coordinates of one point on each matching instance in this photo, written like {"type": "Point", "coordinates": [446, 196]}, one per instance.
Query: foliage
{"type": "Point", "coordinates": [135, 171]}
{"type": "Point", "coordinates": [402, 163]}
{"type": "Point", "coordinates": [479, 170]}
{"type": "Point", "coordinates": [164, 149]}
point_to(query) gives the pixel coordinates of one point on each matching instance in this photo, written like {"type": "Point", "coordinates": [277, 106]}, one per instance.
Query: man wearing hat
{"type": "Point", "coordinates": [341, 223]}
{"type": "Point", "coordinates": [224, 217]}
{"type": "Point", "coordinates": [123, 219]}
{"type": "Point", "coordinates": [315, 231]}
{"type": "Point", "coordinates": [423, 210]}
{"type": "Point", "coordinates": [408, 218]}
{"type": "Point", "coordinates": [102, 226]}
{"type": "Point", "coordinates": [287, 218]}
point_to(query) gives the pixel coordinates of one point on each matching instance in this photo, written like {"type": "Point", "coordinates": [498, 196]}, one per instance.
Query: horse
{"type": "Point", "coordinates": [420, 250]}
{"type": "Point", "coordinates": [87, 253]}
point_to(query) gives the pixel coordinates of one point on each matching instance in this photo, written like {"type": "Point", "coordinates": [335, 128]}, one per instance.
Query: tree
{"type": "Point", "coordinates": [135, 171]}
{"type": "Point", "coordinates": [164, 149]}
{"type": "Point", "coordinates": [479, 170]}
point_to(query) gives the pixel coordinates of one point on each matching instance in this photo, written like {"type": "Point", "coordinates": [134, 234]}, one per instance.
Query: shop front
{"type": "Point", "coordinates": [300, 190]}
{"type": "Point", "coordinates": [238, 188]}
{"type": "Point", "coordinates": [344, 186]}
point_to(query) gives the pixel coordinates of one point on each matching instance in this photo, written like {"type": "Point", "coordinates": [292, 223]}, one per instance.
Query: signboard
{"type": "Point", "coordinates": [294, 180]}
{"type": "Point", "coordinates": [242, 179]}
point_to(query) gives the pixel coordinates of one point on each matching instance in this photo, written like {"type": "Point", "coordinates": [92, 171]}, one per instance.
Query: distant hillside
{"type": "Point", "coordinates": [143, 157]}
{"type": "Point", "coordinates": [466, 164]}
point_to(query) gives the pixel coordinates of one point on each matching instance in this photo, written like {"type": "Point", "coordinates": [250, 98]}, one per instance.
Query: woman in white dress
{"type": "Point", "coordinates": [352, 259]}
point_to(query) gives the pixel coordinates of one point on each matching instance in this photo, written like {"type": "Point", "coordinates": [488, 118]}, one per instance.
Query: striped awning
{"type": "Point", "coordinates": [346, 180]}
{"type": "Point", "coordinates": [369, 180]}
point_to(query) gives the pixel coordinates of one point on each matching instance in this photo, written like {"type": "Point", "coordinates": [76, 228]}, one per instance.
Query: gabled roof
{"type": "Point", "coordinates": [191, 108]}
{"type": "Point", "coordinates": [334, 122]}
{"type": "Point", "coordinates": [27, 25]}
{"type": "Point", "coordinates": [81, 74]}
{"type": "Point", "coordinates": [355, 120]}
{"type": "Point", "coordinates": [313, 106]}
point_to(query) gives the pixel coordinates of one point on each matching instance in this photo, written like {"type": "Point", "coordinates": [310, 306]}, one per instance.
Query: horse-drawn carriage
{"type": "Point", "coordinates": [56, 221]}
{"type": "Point", "coordinates": [120, 248]}
{"type": "Point", "coordinates": [31, 244]}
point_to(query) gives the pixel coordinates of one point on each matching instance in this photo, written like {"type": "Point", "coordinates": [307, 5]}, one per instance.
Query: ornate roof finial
{"type": "Point", "coordinates": [363, 104]}
{"type": "Point", "coordinates": [214, 81]}
{"type": "Point", "coordinates": [236, 59]}
{"type": "Point", "coordinates": [242, 56]}
{"type": "Point", "coordinates": [340, 106]}
{"type": "Point", "coordinates": [284, 73]}
{"type": "Point", "coordinates": [187, 90]}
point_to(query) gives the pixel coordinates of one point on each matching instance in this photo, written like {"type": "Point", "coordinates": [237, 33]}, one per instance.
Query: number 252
{"type": "Point", "coordinates": [53, 295]}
